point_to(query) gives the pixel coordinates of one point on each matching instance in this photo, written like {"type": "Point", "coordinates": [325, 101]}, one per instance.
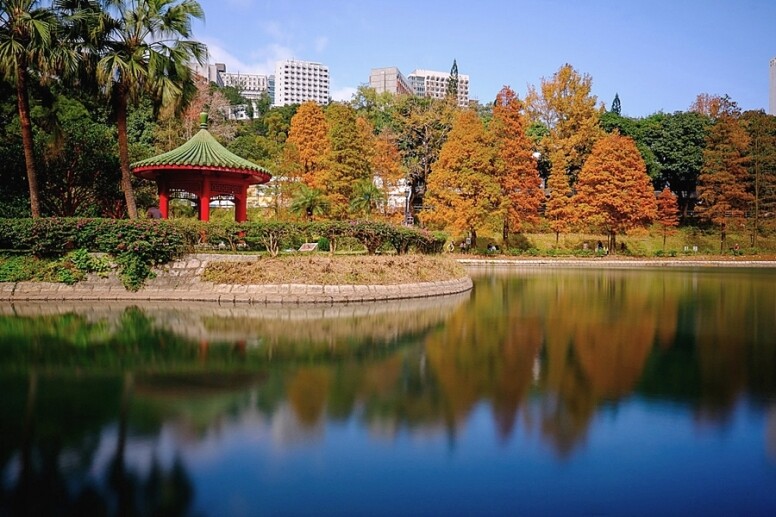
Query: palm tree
{"type": "Point", "coordinates": [366, 195]}
{"type": "Point", "coordinates": [146, 52]}
{"type": "Point", "coordinates": [26, 36]}
{"type": "Point", "coordinates": [308, 202]}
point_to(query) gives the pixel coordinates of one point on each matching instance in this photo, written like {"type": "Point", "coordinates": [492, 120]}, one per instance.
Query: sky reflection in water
{"type": "Point", "coordinates": [541, 392]}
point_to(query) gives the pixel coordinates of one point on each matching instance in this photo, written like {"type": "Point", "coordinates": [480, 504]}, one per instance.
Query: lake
{"type": "Point", "coordinates": [540, 392]}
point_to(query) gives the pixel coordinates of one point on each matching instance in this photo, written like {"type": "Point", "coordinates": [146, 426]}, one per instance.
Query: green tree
{"type": "Point", "coordinates": [616, 106]}
{"type": "Point", "coordinates": [677, 141]}
{"type": "Point", "coordinates": [365, 198]}
{"type": "Point", "coordinates": [26, 42]}
{"type": "Point", "coordinates": [80, 168]}
{"type": "Point", "coordinates": [452, 83]}
{"type": "Point", "coordinates": [146, 50]}
{"type": "Point", "coordinates": [348, 158]}
{"type": "Point", "coordinates": [308, 202]}
{"type": "Point", "coordinates": [762, 165]}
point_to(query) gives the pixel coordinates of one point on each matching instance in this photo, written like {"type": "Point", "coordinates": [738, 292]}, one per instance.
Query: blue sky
{"type": "Point", "coordinates": [658, 55]}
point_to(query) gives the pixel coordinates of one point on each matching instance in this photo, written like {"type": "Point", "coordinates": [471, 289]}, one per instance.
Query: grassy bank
{"type": "Point", "coordinates": [332, 270]}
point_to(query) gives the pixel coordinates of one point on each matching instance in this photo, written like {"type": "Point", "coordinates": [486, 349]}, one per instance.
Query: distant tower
{"type": "Point", "coordinates": [772, 106]}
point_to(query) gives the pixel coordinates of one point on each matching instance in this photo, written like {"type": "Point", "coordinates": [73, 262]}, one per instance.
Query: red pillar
{"type": "Point", "coordinates": [241, 205]}
{"type": "Point", "coordinates": [204, 201]}
{"type": "Point", "coordinates": [164, 199]}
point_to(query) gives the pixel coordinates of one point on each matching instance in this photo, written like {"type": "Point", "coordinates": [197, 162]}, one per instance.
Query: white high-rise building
{"type": "Point", "coordinates": [772, 96]}
{"type": "Point", "coordinates": [300, 81]}
{"type": "Point", "coordinates": [429, 83]}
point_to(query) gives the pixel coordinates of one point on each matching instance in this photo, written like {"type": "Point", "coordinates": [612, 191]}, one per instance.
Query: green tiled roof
{"type": "Point", "coordinates": [202, 150]}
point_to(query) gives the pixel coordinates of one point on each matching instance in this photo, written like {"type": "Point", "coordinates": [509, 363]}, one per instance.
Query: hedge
{"type": "Point", "coordinates": [137, 245]}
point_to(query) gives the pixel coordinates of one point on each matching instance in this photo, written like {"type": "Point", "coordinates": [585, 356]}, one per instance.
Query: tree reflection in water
{"type": "Point", "coordinates": [543, 350]}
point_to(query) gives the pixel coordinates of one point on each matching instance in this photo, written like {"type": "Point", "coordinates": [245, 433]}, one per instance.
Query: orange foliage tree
{"type": "Point", "coordinates": [667, 213]}
{"type": "Point", "coordinates": [516, 167]}
{"type": "Point", "coordinates": [306, 145]}
{"type": "Point", "coordinates": [565, 106]}
{"type": "Point", "coordinates": [723, 184]}
{"type": "Point", "coordinates": [463, 191]}
{"type": "Point", "coordinates": [614, 192]}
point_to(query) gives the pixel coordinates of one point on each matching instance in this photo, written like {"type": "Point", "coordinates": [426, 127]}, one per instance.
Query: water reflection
{"type": "Point", "coordinates": [119, 407]}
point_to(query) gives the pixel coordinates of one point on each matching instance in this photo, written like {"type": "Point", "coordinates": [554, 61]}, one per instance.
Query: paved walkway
{"type": "Point", "coordinates": [180, 281]}
{"type": "Point", "coordinates": [608, 263]}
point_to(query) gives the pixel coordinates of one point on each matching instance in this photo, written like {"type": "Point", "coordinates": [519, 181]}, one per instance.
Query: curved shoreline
{"type": "Point", "coordinates": [180, 281]}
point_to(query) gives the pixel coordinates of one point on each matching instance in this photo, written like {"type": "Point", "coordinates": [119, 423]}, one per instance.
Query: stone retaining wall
{"type": "Point", "coordinates": [180, 281]}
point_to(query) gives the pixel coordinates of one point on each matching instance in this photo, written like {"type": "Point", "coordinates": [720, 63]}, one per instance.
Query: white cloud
{"type": "Point", "coordinates": [261, 61]}
{"type": "Point", "coordinates": [343, 94]}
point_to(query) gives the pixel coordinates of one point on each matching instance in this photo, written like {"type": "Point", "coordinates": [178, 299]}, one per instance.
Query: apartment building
{"type": "Point", "coordinates": [301, 81]}
{"type": "Point", "coordinates": [430, 83]}
{"type": "Point", "coordinates": [423, 83]}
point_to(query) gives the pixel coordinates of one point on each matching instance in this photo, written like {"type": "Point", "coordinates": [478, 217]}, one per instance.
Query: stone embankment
{"type": "Point", "coordinates": [181, 281]}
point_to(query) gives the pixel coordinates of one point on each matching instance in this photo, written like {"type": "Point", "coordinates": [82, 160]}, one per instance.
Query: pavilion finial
{"type": "Point", "coordinates": [203, 120]}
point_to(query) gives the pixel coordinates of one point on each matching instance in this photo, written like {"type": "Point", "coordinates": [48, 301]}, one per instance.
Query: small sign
{"type": "Point", "coordinates": [309, 246]}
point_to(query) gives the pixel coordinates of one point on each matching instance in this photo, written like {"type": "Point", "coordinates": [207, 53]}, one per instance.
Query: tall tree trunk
{"type": "Point", "coordinates": [505, 232]}
{"type": "Point", "coordinates": [27, 140]}
{"type": "Point", "coordinates": [756, 222]}
{"type": "Point", "coordinates": [126, 175]}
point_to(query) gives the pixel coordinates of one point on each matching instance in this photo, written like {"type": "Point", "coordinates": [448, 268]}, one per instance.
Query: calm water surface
{"type": "Point", "coordinates": [542, 392]}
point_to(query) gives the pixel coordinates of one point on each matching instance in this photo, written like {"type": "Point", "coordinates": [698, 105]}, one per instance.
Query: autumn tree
{"type": "Point", "coordinates": [761, 129]}
{"type": "Point", "coordinates": [307, 145]}
{"type": "Point", "coordinates": [516, 166]}
{"type": "Point", "coordinates": [614, 192]}
{"type": "Point", "coordinates": [463, 190]}
{"type": "Point", "coordinates": [421, 125]}
{"type": "Point", "coordinates": [348, 158]}
{"type": "Point", "coordinates": [569, 112]}
{"type": "Point", "coordinates": [723, 186]}
{"type": "Point", "coordinates": [667, 213]}
{"type": "Point", "coordinates": [565, 106]}
{"type": "Point", "coordinates": [558, 210]}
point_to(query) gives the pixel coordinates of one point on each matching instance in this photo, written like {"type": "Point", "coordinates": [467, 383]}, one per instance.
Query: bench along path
{"type": "Point", "coordinates": [180, 281]}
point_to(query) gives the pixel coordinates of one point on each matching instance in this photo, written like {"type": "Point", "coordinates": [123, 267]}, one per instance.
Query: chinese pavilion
{"type": "Point", "coordinates": [205, 169]}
